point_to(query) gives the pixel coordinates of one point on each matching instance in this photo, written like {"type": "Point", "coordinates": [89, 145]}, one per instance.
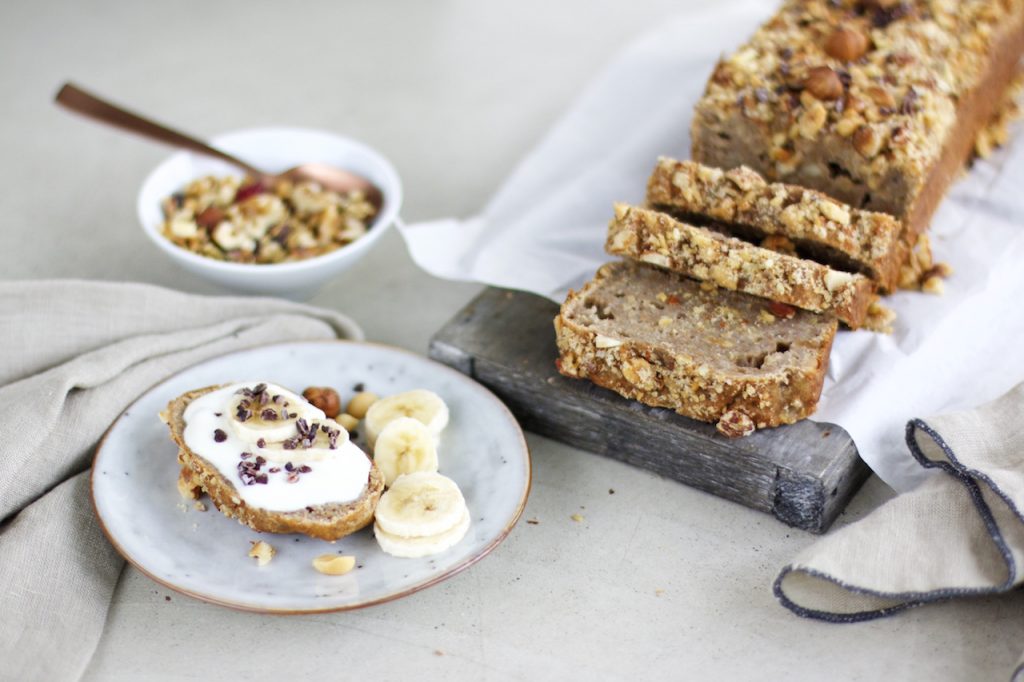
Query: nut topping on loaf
{"type": "Point", "coordinates": [842, 236]}
{"type": "Point", "coordinates": [649, 236]}
{"type": "Point", "coordinates": [870, 102]}
{"type": "Point", "coordinates": [668, 341]}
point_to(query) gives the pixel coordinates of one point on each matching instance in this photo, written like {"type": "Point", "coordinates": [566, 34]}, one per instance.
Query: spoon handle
{"type": "Point", "coordinates": [87, 104]}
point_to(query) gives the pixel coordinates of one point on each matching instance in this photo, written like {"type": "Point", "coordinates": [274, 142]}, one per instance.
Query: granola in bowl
{"type": "Point", "coordinates": [243, 221]}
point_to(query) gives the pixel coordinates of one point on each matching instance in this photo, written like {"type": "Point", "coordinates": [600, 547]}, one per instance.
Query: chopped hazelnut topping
{"type": "Point", "coordinates": [823, 83]}
{"type": "Point", "coordinates": [324, 399]}
{"type": "Point", "coordinates": [846, 44]}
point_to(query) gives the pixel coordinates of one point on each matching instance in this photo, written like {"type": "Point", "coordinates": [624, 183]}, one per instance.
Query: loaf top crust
{"type": "Point", "coordinates": [889, 84]}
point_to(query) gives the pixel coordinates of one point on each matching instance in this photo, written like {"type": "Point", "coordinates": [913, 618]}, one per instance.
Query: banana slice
{"type": "Point", "coordinates": [420, 404]}
{"type": "Point", "coordinates": [404, 447]}
{"type": "Point", "coordinates": [412, 548]}
{"type": "Point", "coordinates": [420, 504]}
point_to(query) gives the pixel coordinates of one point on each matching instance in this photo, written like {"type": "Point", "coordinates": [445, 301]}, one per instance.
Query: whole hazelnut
{"type": "Point", "coordinates": [846, 44]}
{"type": "Point", "coordinates": [867, 142]}
{"type": "Point", "coordinates": [325, 399]}
{"type": "Point", "coordinates": [823, 83]}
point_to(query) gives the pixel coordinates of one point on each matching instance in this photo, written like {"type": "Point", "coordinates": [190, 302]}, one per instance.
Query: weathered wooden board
{"type": "Point", "coordinates": [802, 474]}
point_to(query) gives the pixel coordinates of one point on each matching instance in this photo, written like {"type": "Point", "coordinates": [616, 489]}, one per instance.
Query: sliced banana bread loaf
{"type": "Point", "coordinates": [705, 352]}
{"type": "Point", "coordinates": [653, 237]}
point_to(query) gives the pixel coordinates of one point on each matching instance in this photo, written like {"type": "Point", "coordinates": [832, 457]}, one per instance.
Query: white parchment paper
{"type": "Point", "coordinates": [544, 232]}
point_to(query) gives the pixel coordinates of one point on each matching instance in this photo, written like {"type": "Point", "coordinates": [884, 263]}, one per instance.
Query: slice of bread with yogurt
{"type": "Point", "coordinates": [273, 461]}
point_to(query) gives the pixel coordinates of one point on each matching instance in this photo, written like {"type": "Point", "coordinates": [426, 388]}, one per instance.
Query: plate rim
{"type": "Point", "coordinates": [251, 608]}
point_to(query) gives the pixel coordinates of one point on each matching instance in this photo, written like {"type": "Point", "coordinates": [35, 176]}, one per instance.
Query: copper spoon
{"type": "Point", "coordinates": [329, 177]}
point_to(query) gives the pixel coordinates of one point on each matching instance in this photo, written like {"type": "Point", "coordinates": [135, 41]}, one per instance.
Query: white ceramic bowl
{"type": "Point", "coordinates": [275, 150]}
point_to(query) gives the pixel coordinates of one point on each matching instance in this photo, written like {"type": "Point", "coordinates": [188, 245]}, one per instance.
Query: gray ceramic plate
{"type": "Point", "coordinates": [204, 554]}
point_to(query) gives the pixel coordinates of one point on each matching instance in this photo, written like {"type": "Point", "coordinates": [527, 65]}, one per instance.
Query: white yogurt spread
{"type": "Point", "coordinates": [335, 475]}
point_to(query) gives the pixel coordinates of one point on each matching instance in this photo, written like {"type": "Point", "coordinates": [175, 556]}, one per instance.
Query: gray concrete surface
{"type": "Point", "coordinates": [658, 582]}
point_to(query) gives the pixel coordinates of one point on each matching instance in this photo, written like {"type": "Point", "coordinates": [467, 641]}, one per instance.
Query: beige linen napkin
{"type": "Point", "coordinates": [73, 355]}
{"type": "Point", "coordinates": [960, 533]}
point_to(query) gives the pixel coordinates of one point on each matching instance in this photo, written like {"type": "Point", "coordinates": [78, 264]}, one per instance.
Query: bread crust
{"type": "Point", "coordinates": [325, 521]}
{"type": "Point", "coordinates": [651, 373]}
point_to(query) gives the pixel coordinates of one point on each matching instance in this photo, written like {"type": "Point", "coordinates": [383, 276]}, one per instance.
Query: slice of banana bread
{"type": "Point", "coordinates": [820, 227]}
{"type": "Point", "coordinates": [656, 238]}
{"type": "Point", "coordinates": [705, 352]}
{"type": "Point", "coordinates": [324, 521]}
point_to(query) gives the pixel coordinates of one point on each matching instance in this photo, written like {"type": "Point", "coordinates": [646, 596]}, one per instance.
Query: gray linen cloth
{"type": "Point", "coordinates": [73, 355]}
{"type": "Point", "coordinates": [959, 533]}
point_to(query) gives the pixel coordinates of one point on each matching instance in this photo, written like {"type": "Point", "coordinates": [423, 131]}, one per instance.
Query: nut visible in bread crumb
{"type": "Point", "coordinates": [188, 488]}
{"type": "Point", "coordinates": [332, 564]}
{"type": "Point", "coordinates": [735, 424]}
{"type": "Point", "coordinates": [262, 552]}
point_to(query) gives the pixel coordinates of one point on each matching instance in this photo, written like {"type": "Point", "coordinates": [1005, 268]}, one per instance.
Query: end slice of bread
{"type": "Point", "coordinates": [705, 352]}
{"type": "Point", "coordinates": [324, 521]}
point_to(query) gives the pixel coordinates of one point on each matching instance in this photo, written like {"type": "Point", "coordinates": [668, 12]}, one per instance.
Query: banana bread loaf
{"type": "Point", "coordinates": [874, 103]}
